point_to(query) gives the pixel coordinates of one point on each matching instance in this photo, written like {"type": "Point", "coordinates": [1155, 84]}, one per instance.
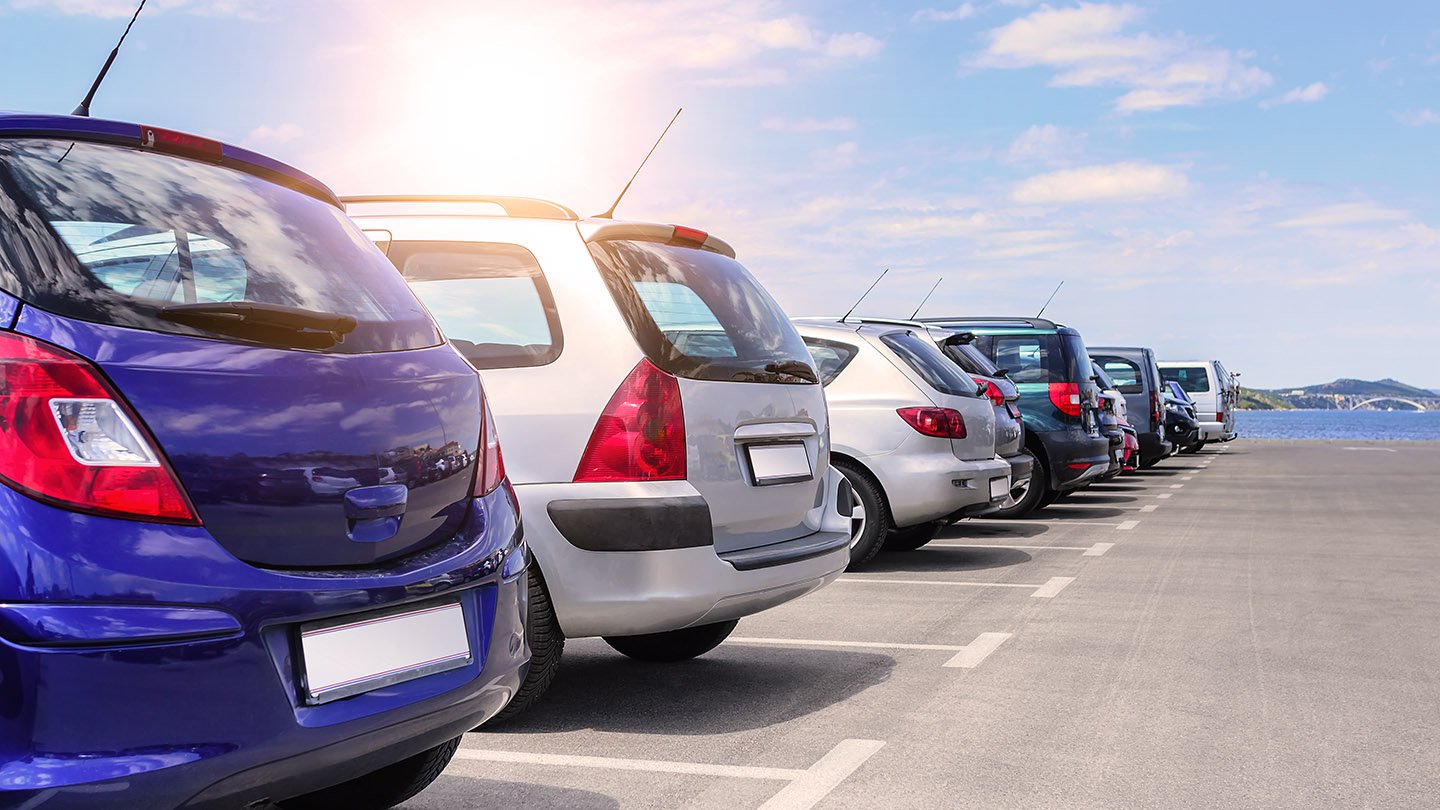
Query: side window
{"type": "Point", "coordinates": [1024, 355]}
{"type": "Point", "coordinates": [491, 300]}
{"type": "Point", "coordinates": [1125, 374]}
{"type": "Point", "coordinates": [925, 358]}
{"type": "Point", "coordinates": [830, 357]}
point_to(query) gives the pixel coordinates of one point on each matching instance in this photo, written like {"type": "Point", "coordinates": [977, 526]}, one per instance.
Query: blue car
{"type": "Point", "coordinates": [256, 541]}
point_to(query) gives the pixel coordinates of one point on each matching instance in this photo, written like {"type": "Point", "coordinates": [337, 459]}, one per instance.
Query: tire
{"type": "Point", "coordinates": [674, 645]}
{"type": "Point", "coordinates": [912, 537]}
{"type": "Point", "coordinates": [870, 521]}
{"type": "Point", "coordinates": [1035, 494]}
{"type": "Point", "coordinates": [547, 645]}
{"type": "Point", "coordinates": [382, 789]}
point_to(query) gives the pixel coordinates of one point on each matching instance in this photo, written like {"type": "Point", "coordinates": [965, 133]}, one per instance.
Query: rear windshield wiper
{"type": "Point", "coordinates": [793, 368]}
{"type": "Point", "coordinates": [307, 328]}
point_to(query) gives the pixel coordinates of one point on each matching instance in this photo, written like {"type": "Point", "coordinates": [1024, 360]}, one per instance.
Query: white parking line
{"type": "Point", "coordinates": [1163, 495]}
{"type": "Point", "coordinates": [1052, 588]}
{"type": "Point", "coordinates": [1177, 486]}
{"type": "Point", "coordinates": [1127, 525]}
{"type": "Point", "coordinates": [978, 650]}
{"type": "Point", "coordinates": [966, 656]}
{"type": "Point", "coordinates": [943, 544]}
{"type": "Point", "coordinates": [1098, 550]}
{"type": "Point", "coordinates": [1045, 522]}
{"type": "Point", "coordinates": [1187, 478]}
{"type": "Point", "coordinates": [1150, 507]}
{"type": "Point", "coordinates": [806, 789]}
{"type": "Point", "coordinates": [933, 582]}
{"type": "Point", "coordinates": [1372, 449]}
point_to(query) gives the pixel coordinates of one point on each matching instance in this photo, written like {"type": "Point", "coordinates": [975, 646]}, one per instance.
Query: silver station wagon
{"type": "Point", "coordinates": [663, 424]}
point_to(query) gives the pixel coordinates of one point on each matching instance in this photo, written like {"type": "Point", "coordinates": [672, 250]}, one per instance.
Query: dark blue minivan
{"type": "Point", "coordinates": [256, 543]}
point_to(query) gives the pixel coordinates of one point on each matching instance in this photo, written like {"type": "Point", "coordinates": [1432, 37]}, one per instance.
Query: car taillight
{"type": "Point", "coordinates": [492, 463]}
{"type": "Point", "coordinates": [640, 435]}
{"type": "Point", "coordinates": [942, 423]}
{"type": "Point", "coordinates": [1219, 416]}
{"type": "Point", "coordinates": [997, 397]}
{"type": "Point", "coordinates": [1154, 408]}
{"type": "Point", "coordinates": [1066, 397]}
{"type": "Point", "coordinates": [67, 438]}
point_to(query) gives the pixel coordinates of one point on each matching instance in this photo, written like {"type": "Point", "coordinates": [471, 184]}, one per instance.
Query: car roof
{"type": "Point", "coordinates": [855, 326]}
{"type": "Point", "coordinates": [1121, 349]}
{"type": "Point", "coordinates": [121, 133]}
{"type": "Point", "coordinates": [994, 324]}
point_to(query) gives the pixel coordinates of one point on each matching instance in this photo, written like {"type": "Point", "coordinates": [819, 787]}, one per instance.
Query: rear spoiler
{"type": "Point", "coordinates": [604, 230]}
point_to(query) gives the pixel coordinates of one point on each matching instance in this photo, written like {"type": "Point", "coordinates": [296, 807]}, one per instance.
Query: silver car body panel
{"type": "Point", "coordinates": [924, 478]}
{"type": "Point", "coordinates": [1207, 403]}
{"type": "Point", "coordinates": [545, 415]}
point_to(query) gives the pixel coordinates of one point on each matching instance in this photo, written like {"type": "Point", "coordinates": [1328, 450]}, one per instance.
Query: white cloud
{"type": "Point", "coordinates": [809, 124]}
{"type": "Point", "coordinates": [279, 133]}
{"type": "Point", "coordinates": [1088, 46]}
{"type": "Point", "coordinates": [1116, 182]}
{"type": "Point", "coordinates": [1362, 213]}
{"type": "Point", "coordinates": [1300, 95]}
{"type": "Point", "coordinates": [964, 11]}
{"type": "Point", "coordinates": [1419, 118]}
{"type": "Point", "coordinates": [1044, 143]}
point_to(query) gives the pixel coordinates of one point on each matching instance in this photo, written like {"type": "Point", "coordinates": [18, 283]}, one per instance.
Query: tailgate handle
{"type": "Point", "coordinates": [374, 513]}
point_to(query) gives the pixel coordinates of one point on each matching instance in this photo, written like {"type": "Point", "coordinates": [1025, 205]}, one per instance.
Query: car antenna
{"type": "Point", "coordinates": [84, 109]}
{"type": "Point", "coordinates": [927, 297]}
{"type": "Point", "coordinates": [610, 214]}
{"type": "Point", "coordinates": [1051, 298]}
{"type": "Point", "coordinates": [862, 296]}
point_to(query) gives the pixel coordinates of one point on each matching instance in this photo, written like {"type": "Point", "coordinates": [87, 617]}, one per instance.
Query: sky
{"type": "Point", "coordinates": [1252, 182]}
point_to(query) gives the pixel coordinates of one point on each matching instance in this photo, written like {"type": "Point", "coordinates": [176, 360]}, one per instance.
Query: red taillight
{"type": "Point", "coordinates": [492, 463]}
{"type": "Point", "coordinates": [689, 236]}
{"type": "Point", "coordinates": [1154, 408]}
{"type": "Point", "coordinates": [939, 422]}
{"type": "Point", "coordinates": [997, 397]}
{"type": "Point", "coordinates": [1066, 397]}
{"type": "Point", "coordinates": [1219, 416]}
{"type": "Point", "coordinates": [67, 438]}
{"type": "Point", "coordinates": [640, 435]}
{"type": "Point", "coordinates": [181, 143]}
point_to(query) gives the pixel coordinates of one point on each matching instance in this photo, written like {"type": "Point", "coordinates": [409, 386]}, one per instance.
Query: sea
{"type": "Point", "coordinates": [1341, 425]}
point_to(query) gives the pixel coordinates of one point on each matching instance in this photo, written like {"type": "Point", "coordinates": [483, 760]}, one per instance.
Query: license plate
{"type": "Point", "coordinates": [353, 654]}
{"type": "Point", "coordinates": [779, 463]}
{"type": "Point", "coordinates": [999, 488]}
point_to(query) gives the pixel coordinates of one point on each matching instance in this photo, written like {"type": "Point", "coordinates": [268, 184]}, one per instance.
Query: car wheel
{"type": "Point", "coordinates": [1030, 495]}
{"type": "Point", "coordinates": [674, 645]}
{"type": "Point", "coordinates": [912, 537]}
{"type": "Point", "coordinates": [547, 644]}
{"type": "Point", "coordinates": [382, 789]}
{"type": "Point", "coordinates": [870, 517]}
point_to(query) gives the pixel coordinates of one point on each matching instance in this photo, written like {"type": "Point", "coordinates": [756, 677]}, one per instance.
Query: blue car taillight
{"type": "Point", "coordinates": [69, 439]}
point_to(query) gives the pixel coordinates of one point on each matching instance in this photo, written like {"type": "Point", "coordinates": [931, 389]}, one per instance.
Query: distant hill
{"type": "Point", "coordinates": [1342, 393]}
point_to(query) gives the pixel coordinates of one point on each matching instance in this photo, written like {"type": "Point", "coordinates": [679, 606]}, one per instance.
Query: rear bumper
{"type": "Point", "coordinates": [672, 582]}
{"type": "Point", "coordinates": [1020, 466]}
{"type": "Point", "coordinates": [218, 720]}
{"type": "Point", "coordinates": [1214, 432]}
{"type": "Point", "coordinates": [1153, 445]}
{"type": "Point", "coordinates": [1076, 457]}
{"type": "Point", "coordinates": [921, 487]}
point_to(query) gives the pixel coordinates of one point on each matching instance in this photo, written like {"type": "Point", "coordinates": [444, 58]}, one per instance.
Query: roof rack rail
{"type": "Point", "coordinates": [1037, 323]}
{"type": "Point", "coordinates": [520, 207]}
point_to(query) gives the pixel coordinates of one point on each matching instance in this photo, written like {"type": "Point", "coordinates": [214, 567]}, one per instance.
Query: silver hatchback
{"type": "Point", "coordinates": [910, 430]}
{"type": "Point", "coordinates": [663, 423]}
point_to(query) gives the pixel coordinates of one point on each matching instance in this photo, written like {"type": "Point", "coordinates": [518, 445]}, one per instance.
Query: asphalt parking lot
{"type": "Point", "coordinates": [1253, 626]}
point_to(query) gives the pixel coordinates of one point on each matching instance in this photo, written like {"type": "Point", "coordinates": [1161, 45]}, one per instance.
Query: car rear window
{"type": "Point", "coordinates": [701, 315]}
{"type": "Point", "coordinates": [492, 300]}
{"type": "Point", "coordinates": [1125, 373]}
{"type": "Point", "coordinates": [831, 357]}
{"type": "Point", "coordinates": [1191, 378]}
{"type": "Point", "coordinates": [1041, 357]}
{"type": "Point", "coordinates": [116, 236]}
{"type": "Point", "coordinates": [926, 359]}
{"type": "Point", "coordinates": [1106, 381]}
{"type": "Point", "coordinates": [971, 359]}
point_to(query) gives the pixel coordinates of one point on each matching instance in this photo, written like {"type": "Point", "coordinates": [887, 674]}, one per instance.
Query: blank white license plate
{"type": "Point", "coordinates": [354, 654]}
{"type": "Point", "coordinates": [779, 463]}
{"type": "Point", "coordinates": [999, 487]}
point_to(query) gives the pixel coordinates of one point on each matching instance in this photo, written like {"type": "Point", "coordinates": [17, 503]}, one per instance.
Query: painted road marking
{"type": "Point", "coordinates": [1045, 522]}
{"type": "Point", "coordinates": [806, 789]}
{"type": "Point", "coordinates": [978, 650]}
{"type": "Point", "coordinates": [1163, 495]}
{"type": "Point", "coordinates": [1098, 550]}
{"type": "Point", "coordinates": [947, 544]}
{"type": "Point", "coordinates": [1177, 486]}
{"type": "Point", "coordinates": [1187, 478]}
{"type": "Point", "coordinates": [966, 656]}
{"type": "Point", "coordinates": [1052, 588]}
{"type": "Point", "coordinates": [1372, 449]}
{"type": "Point", "coordinates": [1150, 507]}
{"type": "Point", "coordinates": [1127, 525]}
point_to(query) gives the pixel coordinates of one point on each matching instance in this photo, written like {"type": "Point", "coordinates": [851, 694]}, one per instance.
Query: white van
{"type": "Point", "coordinates": [1211, 390]}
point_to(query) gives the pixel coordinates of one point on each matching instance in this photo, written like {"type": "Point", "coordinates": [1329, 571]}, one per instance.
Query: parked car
{"type": "Point", "coordinates": [1209, 387]}
{"type": "Point", "coordinates": [1229, 399]}
{"type": "Point", "coordinates": [910, 431]}
{"type": "Point", "coordinates": [1058, 400]}
{"type": "Point", "coordinates": [1112, 415]}
{"type": "Point", "coordinates": [1182, 427]}
{"type": "Point", "coordinates": [1137, 376]}
{"type": "Point", "coordinates": [667, 432]}
{"type": "Point", "coordinates": [163, 642]}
